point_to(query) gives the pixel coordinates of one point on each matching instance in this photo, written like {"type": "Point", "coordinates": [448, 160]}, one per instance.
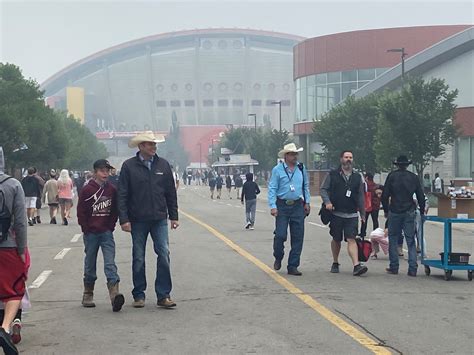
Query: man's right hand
{"type": "Point", "coordinates": [274, 212]}
{"type": "Point", "coordinates": [126, 227]}
{"type": "Point", "coordinates": [329, 207]}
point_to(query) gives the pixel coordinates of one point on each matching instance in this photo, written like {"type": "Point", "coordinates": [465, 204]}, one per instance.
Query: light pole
{"type": "Point", "coordinates": [200, 155]}
{"type": "Point", "coordinates": [255, 118]}
{"type": "Point", "coordinates": [403, 55]}
{"type": "Point", "coordinates": [279, 104]}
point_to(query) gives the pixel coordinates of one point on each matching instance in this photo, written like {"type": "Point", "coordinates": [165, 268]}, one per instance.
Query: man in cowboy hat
{"type": "Point", "coordinates": [399, 208]}
{"type": "Point", "coordinates": [146, 199]}
{"type": "Point", "coordinates": [343, 193]}
{"type": "Point", "coordinates": [288, 198]}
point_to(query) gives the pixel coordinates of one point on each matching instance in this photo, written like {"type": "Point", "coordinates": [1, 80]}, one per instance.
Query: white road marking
{"type": "Point", "coordinates": [41, 279]}
{"type": "Point", "coordinates": [62, 254]}
{"type": "Point", "coordinates": [261, 211]}
{"type": "Point", "coordinates": [76, 238]}
{"type": "Point", "coordinates": [229, 205]}
{"type": "Point", "coordinates": [318, 225]}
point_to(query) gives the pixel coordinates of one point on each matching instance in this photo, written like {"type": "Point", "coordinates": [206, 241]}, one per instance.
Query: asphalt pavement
{"type": "Point", "coordinates": [231, 301]}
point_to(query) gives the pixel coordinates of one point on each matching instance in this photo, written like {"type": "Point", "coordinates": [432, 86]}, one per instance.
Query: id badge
{"type": "Point", "coordinates": [292, 188]}
{"type": "Point", "coordinates": [348, 193]}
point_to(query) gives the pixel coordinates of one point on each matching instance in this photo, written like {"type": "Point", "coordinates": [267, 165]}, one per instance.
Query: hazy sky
{"type": "Point", "coordinates": [43, 37]}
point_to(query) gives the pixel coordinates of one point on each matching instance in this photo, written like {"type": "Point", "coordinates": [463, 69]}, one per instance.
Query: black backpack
{"type": "Point", "coordinates": [5, 215]}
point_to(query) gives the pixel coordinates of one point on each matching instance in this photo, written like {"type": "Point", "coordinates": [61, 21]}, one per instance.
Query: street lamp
{"type": "Point", "coordinates": [200, 155]}
{"type": "Point", "coordinates": [279, 104]}
{"type": "Point", "coordinates": [255, 118]}
{"type": "Point", "coordinates": [403, 55]}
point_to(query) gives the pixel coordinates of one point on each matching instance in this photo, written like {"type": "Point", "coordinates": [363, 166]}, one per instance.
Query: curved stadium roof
{"type": "Point", "coordinates": [136, 47]}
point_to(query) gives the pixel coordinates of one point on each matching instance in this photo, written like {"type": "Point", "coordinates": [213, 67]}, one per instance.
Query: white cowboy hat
{"type": "Point", "coordinates": [148, 136]}
{"type": "Point", "coordinates": [289, 148]}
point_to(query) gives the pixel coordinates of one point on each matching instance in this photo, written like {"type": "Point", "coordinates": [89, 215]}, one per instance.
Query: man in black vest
{"type": "Point", "coordinates": [343, 194]}
{"type": "Point", "coordinates": [399, 208]}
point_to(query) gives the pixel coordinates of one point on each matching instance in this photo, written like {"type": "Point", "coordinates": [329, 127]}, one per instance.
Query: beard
{"type": "Point", "coordinates": [347, 164]}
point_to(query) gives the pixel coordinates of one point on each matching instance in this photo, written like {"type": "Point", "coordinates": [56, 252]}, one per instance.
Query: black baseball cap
{"type": "Point", "coordinates": [102, 163]}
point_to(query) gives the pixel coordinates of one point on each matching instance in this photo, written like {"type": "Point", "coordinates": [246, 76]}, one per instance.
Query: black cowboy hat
{"type": "Point", "coordinates": [402, 160]}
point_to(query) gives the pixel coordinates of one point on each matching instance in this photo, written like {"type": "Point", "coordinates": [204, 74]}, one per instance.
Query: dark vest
{"type": "Point", "coordinates": [339, 188]}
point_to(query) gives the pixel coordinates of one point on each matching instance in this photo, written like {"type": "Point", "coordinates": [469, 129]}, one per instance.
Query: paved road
{"type": "Point", "coordinates": [231, 301]}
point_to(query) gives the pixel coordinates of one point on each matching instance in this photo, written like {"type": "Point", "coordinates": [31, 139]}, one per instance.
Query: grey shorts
{"type": "Point", "coordinates": [65, 201]}
{"type": "Point", "coordinates": [343, 228]}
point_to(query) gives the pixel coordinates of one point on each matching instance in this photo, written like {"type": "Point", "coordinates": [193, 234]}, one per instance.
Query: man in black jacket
{"type": "Point", "coordinates": [250, 192]}
{"type": "Point", "coordinates": [146, 199]}
{"type": "Point", "coordinates": [31, 186]}
{"type": "Point", "coordinates": [399, 208]}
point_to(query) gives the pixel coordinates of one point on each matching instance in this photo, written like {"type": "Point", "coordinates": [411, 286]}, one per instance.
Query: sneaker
{"type": "Point", "coordinates": [391, 272]}
{"type": "Point", "coordinates": [138, 303]}
{"type": "Point", "coordinates": [30, 222]}
{"type": "Point", "coordinates": [335, 268]}
{"type": "Point", "coordinates": [34, 220]}
{"type": "Point", "coordinates": [166, 303]}
{"type": "Point", "coordinates": [411, 273]}
{"type": "Point", "coordinates": [359, 270]}
{"type": "Point", "coordinates": [53, 221]}
{"type": "Point", "coordinates": [252, 227]}
{"type": "Point", "coordinates": [6, 343]}
{"type": "Point", "coordinates": [38, 219]}
{"type": "Point", "coordinates": [247, 226]}
{"type": "Point", "coordinates": [277, 264]}
{"type": "Point", "coordinates": [400, 251]}
{"type": "Point", "coordinates": [16, 331]}
{"type": "Point", "coordinates": [65, 222]}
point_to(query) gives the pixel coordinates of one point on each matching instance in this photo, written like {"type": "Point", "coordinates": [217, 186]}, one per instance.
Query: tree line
{"type": "Point", "coordinates": [417, 121]}
{"type": "Point", "coordinates": [33, 134]}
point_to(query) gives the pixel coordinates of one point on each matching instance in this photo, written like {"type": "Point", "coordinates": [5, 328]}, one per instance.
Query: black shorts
{"type": "Point", "coordinates": [53, 204]}
{"type": "Point", "coordinates": [346, 228]}
{"type": "Point", "coordinates": [38, 203]}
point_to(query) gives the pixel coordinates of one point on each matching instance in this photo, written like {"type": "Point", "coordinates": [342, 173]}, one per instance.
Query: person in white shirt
{"type": "Point", "coordinates": [438, 184]}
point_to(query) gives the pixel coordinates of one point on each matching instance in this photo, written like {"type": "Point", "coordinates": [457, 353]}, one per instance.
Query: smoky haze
{"type": "Point", "coordinates": [43, 37]}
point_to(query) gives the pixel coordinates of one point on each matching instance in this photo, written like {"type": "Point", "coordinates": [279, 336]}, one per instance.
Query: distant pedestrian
{"type": "Point", "coordinates": [97, 215]}
{"type": "Point", "coordinates": [375, 193]}
{"type": "Point", "coordinates": [190, 177]}
{"type": "Point", "coordinates": [438, 184]}
{"type": "Point", "coordinates": [31, 188]}
{"type": "Point", "coordinates": [65, 194]}
{"type": "Point", "coordinates": [249, 192]}
{"type": "Point", "coordinates": [41, 183]}
{"type": "Point", "coordinates": [238, 182]}
{"type": "Point", "coordinates": [399, 208]}
{"type": "Point", "coordinates": [212, 184]}
{"type": "Point", "coordinates": [219, 184]}
{"type": "Point", "coordinates": [113, 178]}
{"type": "Point", "coordinates": [80, 182]}
{"type": "Point", "coordinates": [343, 194]}
{"type": "Point", "coordinates": [146, 199]}
{"type": "Point", "coordinates": [51, 197]}
{"type": "Point", "coordinates": [228, 186]}
{"type": "Point", "coordinates": [13, 257]}
{"type": "Point", "coordinates": [289, 201]}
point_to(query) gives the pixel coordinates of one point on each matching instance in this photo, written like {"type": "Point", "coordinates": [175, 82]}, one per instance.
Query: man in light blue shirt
{"type": "Point", "coordinates": [289, 198]}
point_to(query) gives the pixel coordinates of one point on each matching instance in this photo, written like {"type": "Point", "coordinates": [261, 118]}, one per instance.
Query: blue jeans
{"type": "Point", "coordinates": [292, 216]}
{"type": "Point", "coordinates": [92, 242]}
{"type": "Point", "coordinates": [398, 222]}
{"type": "Point", "coordinates": [159, 235]}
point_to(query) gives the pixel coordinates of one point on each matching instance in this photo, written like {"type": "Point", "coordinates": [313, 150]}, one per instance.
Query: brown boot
{"type": "Point", "coordinates": [116, 298]}
{"type": "Point", "coordinates": [88, 297]}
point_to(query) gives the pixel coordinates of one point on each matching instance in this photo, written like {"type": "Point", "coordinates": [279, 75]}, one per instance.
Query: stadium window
{"type": "Point", "coordinates": [189, 103]}
{"type": "Point", "coordinates": [285, 102]}
{"type": "Point", "coordinates": [223, 103]}
{"type": "Point", "coordinates": [161, 103]}
{"type": "Point", "coordinates": [208, 103]}
{"type": "Point", "coordinates": [256, 102]}
{"type": "Point", "coordinates": [269, 102]}
{"type": "Point", "coordinates": [238, 103]}
{"type": "Point", "coordinates": [175, 103]}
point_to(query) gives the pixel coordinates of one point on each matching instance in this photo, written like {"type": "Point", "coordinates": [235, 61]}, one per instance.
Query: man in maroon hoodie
{"type": "Point", "coordinates": [97, 215]}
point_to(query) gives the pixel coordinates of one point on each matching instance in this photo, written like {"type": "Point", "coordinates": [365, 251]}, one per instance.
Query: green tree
{"type": "Point", "coordinates": [416, 121]}
{"type": "Point", "coordinates": [350, 125]}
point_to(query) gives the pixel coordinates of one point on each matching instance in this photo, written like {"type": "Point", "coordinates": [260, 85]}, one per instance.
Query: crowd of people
{"type": "Point", "coordinates": [105, 198]}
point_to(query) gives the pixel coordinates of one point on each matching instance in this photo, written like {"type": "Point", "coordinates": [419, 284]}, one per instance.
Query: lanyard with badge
{"type": "Point", "coordinates": [348, 184]}
{"type": "Point", "coordinates": [292, 187]}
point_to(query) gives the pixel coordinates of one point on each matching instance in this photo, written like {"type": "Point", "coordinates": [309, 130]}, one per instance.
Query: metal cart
{"type": "Point", "coordinates": [443, 264]}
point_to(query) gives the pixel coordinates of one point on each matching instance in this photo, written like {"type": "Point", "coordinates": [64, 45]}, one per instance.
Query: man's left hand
{"type": "Point", "coordinates": [174, 224]}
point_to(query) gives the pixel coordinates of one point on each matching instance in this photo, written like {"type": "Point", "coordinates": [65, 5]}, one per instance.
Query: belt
{"type": "Point", "coordinates": [289, 202]}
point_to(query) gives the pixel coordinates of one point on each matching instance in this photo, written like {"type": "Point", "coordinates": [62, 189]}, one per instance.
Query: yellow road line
{"type": "Point", "coordinates": [347, 328]}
